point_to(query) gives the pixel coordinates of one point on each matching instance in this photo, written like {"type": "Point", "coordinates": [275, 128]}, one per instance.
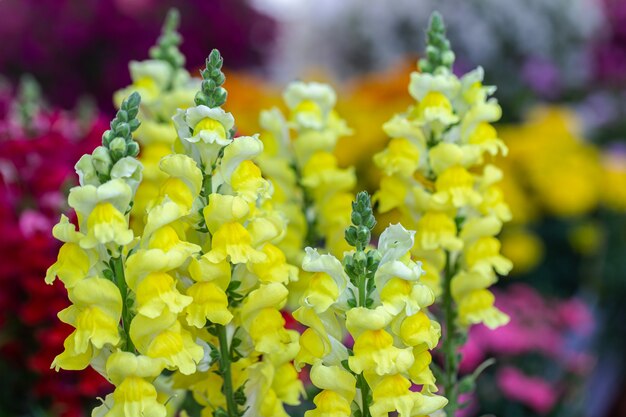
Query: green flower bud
{"type": "Point", "coordinates": [87, 174]}
{"type": "Point", "coordinates": [122, 115]}
{"type": "Point", "coordinates": [360, 257]}
{"type": "Point", "coordinates": [447, 58]}
{"type": "Point", "coordinates": [350, 235]}
{"type": "Point", "coordinates": [107, 137]}
{"type": "Point", "coordinates": [362, 216]}
{"type": "Point", "coordinates": [363, 235]}
{"type": "Point", "coordinates": [118, 148]}
{"type": "Point", "coordinates": [132, 149]}
{"type": "Point", "coordinates": [373, 259]}
{"type": "Point", "coordinates": [123, 129]}
{"type": "Point", "coordinates": [102, 160]}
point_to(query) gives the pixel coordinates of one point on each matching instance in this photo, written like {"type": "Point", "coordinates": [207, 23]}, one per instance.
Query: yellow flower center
{"type": "Point", "coordinates": [435, 230]}
{"type": "Point", "coordinates": [329, 403]}
{"type": "Point", "coordinates": [433, 99]}
{"type": "Point", "coordinates": [165, 238]}
{"type": "Point", "coordinates": [134, 390]}
{"type": "Point", "coordinates": [177, 191]}
{"type": "Point", "coordinates": [320, 162]}
{"type": "Point", "coordinates": [210, 125]}
{"type": "Point", "coordinates": [454, 177]}
{"type": "Point", "coordinates": [391, 386]}
{"type": "Point", "coordinates": [484, 248]}
{"type": "Point", "coordinates": [437, 223]}
{"type": "Point", "coordinates": [308, 106]}
{"type": "Point", "coordinates": [373, 340]}
{"type": "Point", "coordinates": [247, 180]}
{"type": "Point", "coordinates": [483, 133]}
{"type": "Point", "coordinates": [145, 83]}
{"type": "Point", "coordinates": [105, 213]}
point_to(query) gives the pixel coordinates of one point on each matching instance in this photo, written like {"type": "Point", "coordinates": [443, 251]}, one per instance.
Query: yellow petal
{"type": "Point", "coordinates": [209, 303]}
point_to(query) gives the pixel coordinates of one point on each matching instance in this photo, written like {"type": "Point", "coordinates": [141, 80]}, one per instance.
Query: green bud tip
{"type": "Point", "coordinates": [211, 93]}
{"type": "Point", "coordinates": [438, 54]}
{"type": "Point", "coordinates": [363, 221]}
{"type": "Point", "coordinates": [166, 48]}
{"type": "Point", "coordinates": [29, 100]}
{"type": "Point", "coordinates": [29, 89]}
{"type": "Point", "coordinates": [172, 20]}
{"type": "Point", "coordinates": [119, 139]}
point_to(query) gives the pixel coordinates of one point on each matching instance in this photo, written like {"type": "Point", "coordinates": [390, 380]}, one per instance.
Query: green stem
{"type": "Point", "coordinates": [226, 372]}
{"type": "Point", "coordinates": [365, 412]}
{"type": "Point", "coordinates": [449, 342]}
{"type": "Point", "coordinates": [118, 271]}
{"type": "Point", "coordinates": [207, 183]}
{"type": "Point", "coordinates": [362, 289]}
{"type": "Point", "coordinates": [312, 238]}
{"type": "Point", "coordinates": [363, 386]}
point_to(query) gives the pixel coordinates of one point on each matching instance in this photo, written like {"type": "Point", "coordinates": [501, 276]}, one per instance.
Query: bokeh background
{"type": "Point", "coordinates": [560, 68]}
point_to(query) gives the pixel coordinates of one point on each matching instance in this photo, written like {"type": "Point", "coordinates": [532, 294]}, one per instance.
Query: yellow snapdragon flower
{"type": "Point", "coordinates": [134, 394]}
{"type": "Point", "coordinates": [101, 211]}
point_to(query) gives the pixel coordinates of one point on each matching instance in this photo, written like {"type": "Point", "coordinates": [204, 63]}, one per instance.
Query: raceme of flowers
{"type": "Point", "coordinates": [184, 255]}
{"type": "Point", "coordinates": [438, 179]}
{"type": "Point", "coordinates": [326, 188]}
{"type": "Point", "coordinates": [379, 298]}
{"type": "Point", "coordinates": [310, 188]}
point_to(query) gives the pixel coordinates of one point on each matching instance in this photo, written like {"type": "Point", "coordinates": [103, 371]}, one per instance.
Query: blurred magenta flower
{"type": "Point", "coordinates": [540, 352]}
{"type": "Point", "coordinates": [36, 165]}
{"type": "Point", "coordinates": [96, 40]}
{"type": "Point", "coordinates": [610, 52]}
{"type": "Point", "coordinates": [536, 393]}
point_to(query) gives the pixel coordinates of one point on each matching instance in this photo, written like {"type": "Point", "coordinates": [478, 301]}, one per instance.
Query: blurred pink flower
{"type": "Point", "coordinates": [576, 316]}
{"type": "Point", "coordinates": [32, 222]}
{"type": "Point", "coordinates": [534, 392]}
{"type": "Point", "coordinates": [470, 405]}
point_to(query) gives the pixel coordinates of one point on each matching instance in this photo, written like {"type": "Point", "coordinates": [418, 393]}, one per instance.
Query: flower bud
{"type": "Point", "coordinates": [363, 234]}
{"type": "Point", "coordinates": [123, 129]}
{"type": "Point", "coordinates": [118, 147]}
{"type": "Point", "coordinates": [350, 235]}
{"type": "Point", "coordinates": [133, 149]}
{"type": "Point", "coordinates": [107, 137]}
{"type": "Point", "coordinates": [87, 174]}
{"type": "Point", "coordinates": [360, 257]}
{"type": "Point", "coordinates": [101, 160]}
